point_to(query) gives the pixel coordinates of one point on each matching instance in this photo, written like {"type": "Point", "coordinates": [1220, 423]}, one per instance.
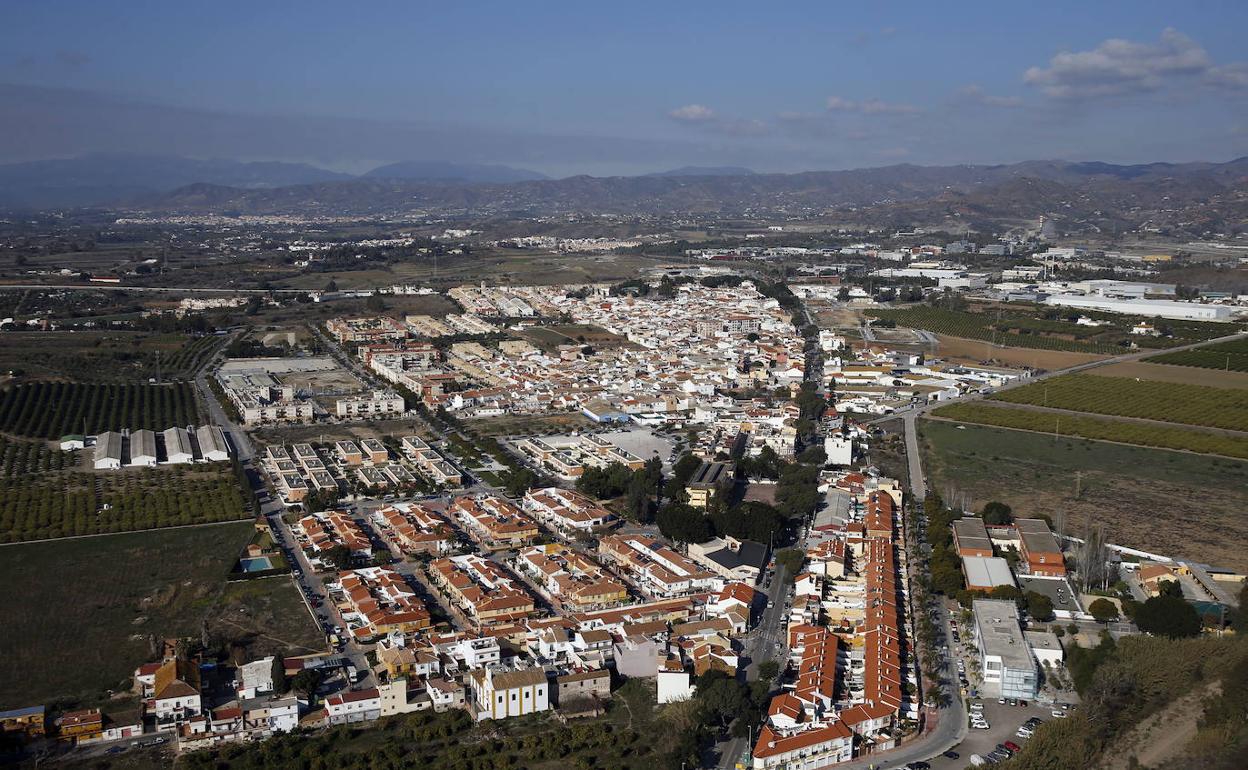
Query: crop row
{"type": "Point", "coordinates": [19, 458]}
{"type": "Point", "coordinates": [1161, 436]}
{"type": "Point", "coordinates": [52, 409]}
{"type": "Point", "coordinates": [1230, 356]}
{"type": "Point", "coordinates": [63, 505]}
{"type": "Point", "coordinates": [1130, 397]}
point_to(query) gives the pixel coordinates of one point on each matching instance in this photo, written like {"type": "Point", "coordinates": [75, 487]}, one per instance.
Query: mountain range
{"type": "Point", "coordinates": [1092, 197]}
{"type": "Point", "coordinates": [1098, 195]}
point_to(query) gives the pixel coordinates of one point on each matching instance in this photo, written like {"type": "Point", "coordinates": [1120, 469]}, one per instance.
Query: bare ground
{"type": "Point", "coordinates": [980, 352]}
{"type": "Point", "coordinates": [1187, 375]}
{"type": "Point", "coordinates": [1163, 736]}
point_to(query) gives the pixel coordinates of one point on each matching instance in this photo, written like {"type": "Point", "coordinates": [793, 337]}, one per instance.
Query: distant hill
{"type": "Point", "coordinates": [442, 171]}
{"type": "Point", "coordinates": [705, 171]}
{"type": "Point", "coordinates": [108, 178]}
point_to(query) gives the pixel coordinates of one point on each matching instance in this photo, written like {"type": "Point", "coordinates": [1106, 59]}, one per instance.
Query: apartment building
{"type": "Point", "coordinates": [374, 404]}
{"type": "Point", "coordinates": [493, 521]}
{"type": "Point", "coordinates": [655, 568]}
{"type": "Point", "coordinates": [481, 588]}
{"type": "Point", "coordinates": [414, 528]}
{"type": "Point", "coordinates": [357, 330]}
{"type": "Point", "coordinates": [569, 577]}
{"type": "Point", "coordinates": [379, 601]}
{"type": "Point", "coordinates": [566, 511]}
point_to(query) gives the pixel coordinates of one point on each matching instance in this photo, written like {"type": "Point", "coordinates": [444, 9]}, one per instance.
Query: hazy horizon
{"type": "Point", "coordinates": [563, 89]}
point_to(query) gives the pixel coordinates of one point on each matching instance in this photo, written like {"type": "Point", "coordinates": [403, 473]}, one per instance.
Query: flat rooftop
{"type": "Point", "coordinates": [971, 533]}
{"type": "Point", "coordinates": [1057, 589]}
{"type": "Point", "coordinates": [997, 625]}
{"type": "Point", "coordinates": [987, 571]}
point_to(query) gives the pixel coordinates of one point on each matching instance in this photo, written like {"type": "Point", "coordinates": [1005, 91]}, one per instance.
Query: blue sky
{"type": "Point", "coordinates": [629, 87]}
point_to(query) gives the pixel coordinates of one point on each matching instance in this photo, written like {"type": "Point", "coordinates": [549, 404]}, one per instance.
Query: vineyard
{"type": "Point", "coordinates": [52, 409]}
{"type": "Point", "coordinates": [1129, 397]}
{"type": "Point", "coordinates": [1159, 436]}
{"type": "Point", "coordinates": [1010, 331]}
{"type": "Point", "coordinates": [36, 507]}
{"type": "Point", "coordinates": [1230, 356]}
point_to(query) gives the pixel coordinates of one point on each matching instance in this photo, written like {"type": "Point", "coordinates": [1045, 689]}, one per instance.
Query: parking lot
{"type": "Point", "coordinates": [1004, 721]}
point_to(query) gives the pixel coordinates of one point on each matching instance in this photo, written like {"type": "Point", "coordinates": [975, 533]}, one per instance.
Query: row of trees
{"type": "Point", "coordinates": [72, 504]}
{"type": "Point", "coordinates": [53, 409]}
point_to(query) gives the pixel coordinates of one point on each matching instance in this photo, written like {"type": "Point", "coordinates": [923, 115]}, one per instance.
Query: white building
{"type": "Point", "coordinates": [213, 447]}
{"type": "Point", "coordinates": [178, 447]}
{"type": "Point", "coordinates": [839, 449]}
{"type": "Point", "coordinates": [498, 694]}
{"type": "Point", "coordinates": [355, 706]}
{"type": "Point", "coordinates": [1153, 308]}
{"type": "Point", "coordinates": [143, 448]}
{"type": "Point", "coordinates": [108, 451]}
{"type": "Point", "coordinates": [1009, 670]}
{"type": "Point", "coordinates": [378, 403]}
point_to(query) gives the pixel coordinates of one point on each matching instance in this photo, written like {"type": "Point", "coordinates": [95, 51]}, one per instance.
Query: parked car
{"type": "Point", "coordinates": [1059, 714]}
{"type": "Point", "coordinates": [1012, 746]}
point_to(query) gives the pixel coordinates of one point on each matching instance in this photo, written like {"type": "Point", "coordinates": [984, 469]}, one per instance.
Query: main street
{"type": "Point", "coordinates": [765, 642]}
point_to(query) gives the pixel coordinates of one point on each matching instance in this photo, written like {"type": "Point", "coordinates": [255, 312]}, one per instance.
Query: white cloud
{"type": "Point", "coordinates": [1122, 67]}
{"type": "Point", "coordinates": [692, 113]}
{"type": "Point", "coordinates": [870, 107]}
{"type": "Point", "coordinates": [877, 107]}
{"type": "Point", "coordinates": [1229, 75]}
{"type": "Point", "coordinates": [977, 95]}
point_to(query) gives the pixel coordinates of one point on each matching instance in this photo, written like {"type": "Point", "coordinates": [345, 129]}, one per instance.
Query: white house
{"type": "Point", "coordinates": [255, 678]}
{"type": "Point", "coordinates": [355, 706]}
{"type": "Point", "coordinates": [498, 694]}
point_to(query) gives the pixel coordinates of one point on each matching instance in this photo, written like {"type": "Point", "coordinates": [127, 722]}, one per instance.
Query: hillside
{"type": "Point", "coordinates": [1086, 196]}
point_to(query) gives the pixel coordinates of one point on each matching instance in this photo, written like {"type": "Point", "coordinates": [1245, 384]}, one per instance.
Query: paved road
{"type": "Point", "coordinates": [765, 642]}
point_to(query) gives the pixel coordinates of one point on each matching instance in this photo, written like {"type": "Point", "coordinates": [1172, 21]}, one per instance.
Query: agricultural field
{"type": "Point", "coordinates": [1010, 331]}
{"type": "Point", "coordinates": [1172, 503]}
{"type": "Point", "coordinates": [550, 337]}
{"type": "Point", "coordinates": [980, 352]}
{"type": "Point", "coordinates": [1057, 424]}
{"type": "Point", "coordinates": [111, 356]}
{"type": "Point", "coordinates": [1046, 328]}
{"type": "Point", "coordinates": [1228, 356]}
{"type": "Point", "coordinates": [82, 614]}
{"type": "Point", "coordinates": [40, 505]}
{"type": "Point", "coordinates": [1186, 375]}
{"type": "Point", "coordinates": [52, 409]}
{"type": "Point", "coordinates": [1128, 397]}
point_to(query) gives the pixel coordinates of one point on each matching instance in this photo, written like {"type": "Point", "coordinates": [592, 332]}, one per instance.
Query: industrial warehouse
{"type": "Point", "coordinates": [172, 446]}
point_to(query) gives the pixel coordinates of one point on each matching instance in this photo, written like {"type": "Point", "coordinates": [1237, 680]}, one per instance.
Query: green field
{"type": "Point", "coordinates": [1142, 434]}
{"type": "Point", "coordinates": [1131, 397]}
{"type": "Point", "coordinates": [1046, 328]}
{"type": "Point", "coordinates": [1229, 356]}
{"type": "Point", "coordinates": [105, 356]}
{"type": "Point", "coordinates": [1013, 330]}
{"type": "Point", "coordinates": [1174, 503]}
{"type": "Point", "coordinates": [37, 506]}
{"type": "Point", "coordinates": [81, 613]}
{"type": "Point", "coordinates": [53, 409]}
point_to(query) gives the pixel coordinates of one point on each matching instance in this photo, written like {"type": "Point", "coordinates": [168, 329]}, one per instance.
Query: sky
{"type": "Point", "coordinates": [624, 88]}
